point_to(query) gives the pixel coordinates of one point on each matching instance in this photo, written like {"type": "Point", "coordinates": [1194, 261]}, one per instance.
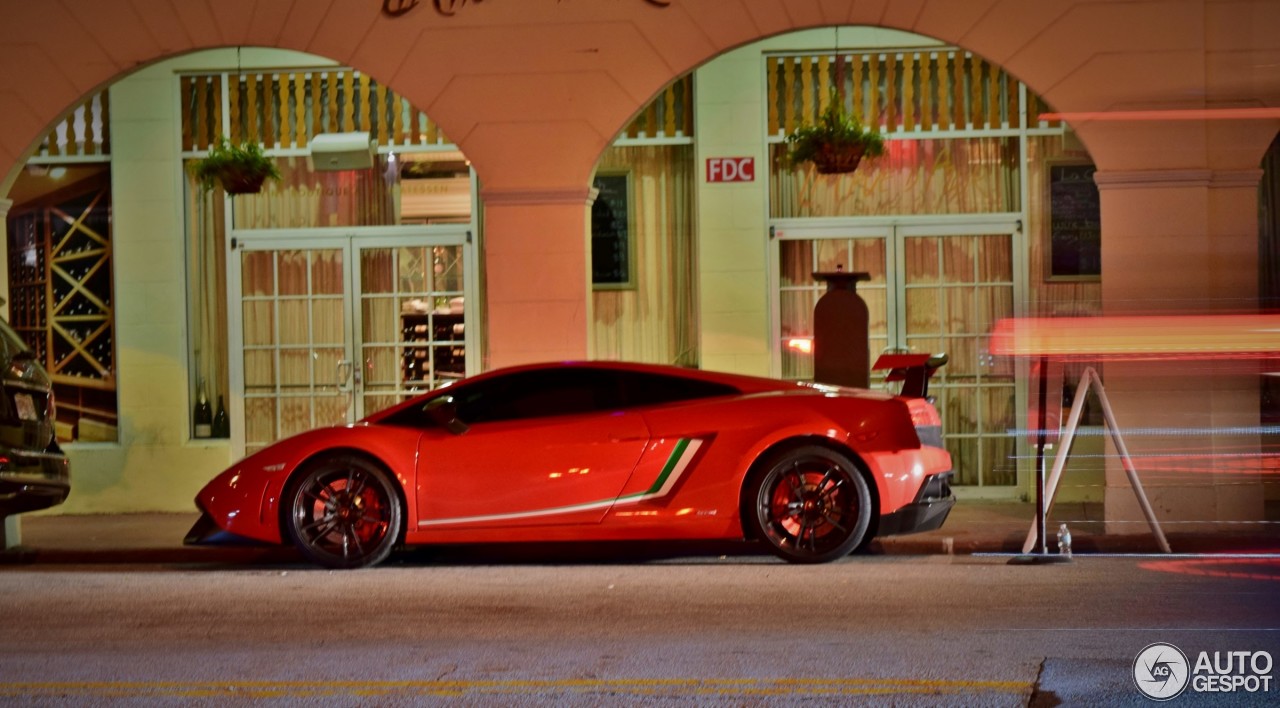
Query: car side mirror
{"type": "Point", "coordinates": [443, 411]}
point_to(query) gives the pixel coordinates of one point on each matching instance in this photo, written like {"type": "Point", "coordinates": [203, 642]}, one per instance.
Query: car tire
{"type": "Point", "coordinates": [343, 512]}
{"type": "Point", "coordinates": [809, 504]}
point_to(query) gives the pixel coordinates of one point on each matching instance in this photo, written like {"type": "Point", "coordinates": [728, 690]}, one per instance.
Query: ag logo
{"type": "Point", "coordinates": [1161, 672]}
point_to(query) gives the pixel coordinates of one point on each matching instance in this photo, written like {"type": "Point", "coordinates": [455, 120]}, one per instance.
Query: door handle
{"type": "Point", "coordinates": [343, 372]}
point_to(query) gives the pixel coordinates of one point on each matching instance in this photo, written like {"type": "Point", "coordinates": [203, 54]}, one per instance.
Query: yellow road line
{"type": "Point", "coordinates": [671, 686]}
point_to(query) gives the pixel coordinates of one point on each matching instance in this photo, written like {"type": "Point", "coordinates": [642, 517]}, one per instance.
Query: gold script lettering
{"type": "Point", "coordinates": [396, 8]}
{"type": "Point", "coordinates": [449, 8]}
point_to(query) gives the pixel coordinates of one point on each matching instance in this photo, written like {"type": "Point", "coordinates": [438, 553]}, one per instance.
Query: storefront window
{"type": "Point", "coordinates": [61, 298]}
{"type": "Point", "coordinates": [409, 188]}
{"type": "Point", "coordinates": [652, 316]}
{"type": "Point", "coordinates": [918, 177]}
{"type": "Point", "coordinates": [305, 198]}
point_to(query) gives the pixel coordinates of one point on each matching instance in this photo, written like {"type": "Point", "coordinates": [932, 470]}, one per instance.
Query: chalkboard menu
{"type": "Point", "coordinates": [1075, 224]}
{"type": "Point", "coordinates": [611, 231]}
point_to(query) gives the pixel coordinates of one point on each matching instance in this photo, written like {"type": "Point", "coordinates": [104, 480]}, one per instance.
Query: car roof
{"type": "Point", "coordinates": [745, 384]}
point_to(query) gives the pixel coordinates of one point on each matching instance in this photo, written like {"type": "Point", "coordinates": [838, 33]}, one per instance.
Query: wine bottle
{"type": "Point", "coordinates": [221, 424]}
{"type": "Point", "coordinates": [203, 415]}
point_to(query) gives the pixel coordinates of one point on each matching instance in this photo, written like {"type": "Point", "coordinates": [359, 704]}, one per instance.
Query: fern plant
{"type": "Point", "coordinates": [836, 142]}
{"type": "Point", "coordinates": [240, 169]}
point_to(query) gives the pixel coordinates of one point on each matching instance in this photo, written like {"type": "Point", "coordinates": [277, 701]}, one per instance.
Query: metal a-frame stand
{"type": "Point", "coordinates": [1047, 491]}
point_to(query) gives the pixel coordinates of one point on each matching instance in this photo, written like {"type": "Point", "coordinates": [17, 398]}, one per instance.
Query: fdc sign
{"type": "Point", "coordinates": [731, 169]}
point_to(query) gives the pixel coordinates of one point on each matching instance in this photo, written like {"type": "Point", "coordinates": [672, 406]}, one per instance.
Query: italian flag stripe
{"type": "Point", "coordinates": [676, 465]}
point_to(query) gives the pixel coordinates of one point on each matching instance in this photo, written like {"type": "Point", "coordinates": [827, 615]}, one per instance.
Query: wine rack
{"type": "Point", "coordinates": [80, 316]}
{"type": "Point", "coordinates": [28, 281]}
{"type": "Point", "coordinates": [60, 286]}
{"type": "Point", "coordinates": [434, 347]}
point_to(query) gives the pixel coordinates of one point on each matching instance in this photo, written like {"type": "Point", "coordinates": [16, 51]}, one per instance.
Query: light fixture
{"type": "Point", "coordinates": [341, 151]}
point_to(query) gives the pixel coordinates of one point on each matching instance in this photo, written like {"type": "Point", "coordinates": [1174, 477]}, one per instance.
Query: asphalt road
{"type": "Point", "coordinates": [707, 630]}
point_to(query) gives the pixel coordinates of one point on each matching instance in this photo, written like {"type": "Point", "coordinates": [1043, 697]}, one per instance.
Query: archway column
{"type": "Point", "coordinates": [5, 206]}
{"type": "Point", "coordinates": [1182, 242]}
{"type": "Point", "coordinates": [536, 275]}
{"type": "Point", "coordinates": [10, 529]}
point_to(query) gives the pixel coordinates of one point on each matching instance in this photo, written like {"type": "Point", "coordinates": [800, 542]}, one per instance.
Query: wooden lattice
{"type": "Point", "coordinates": [911, 92]}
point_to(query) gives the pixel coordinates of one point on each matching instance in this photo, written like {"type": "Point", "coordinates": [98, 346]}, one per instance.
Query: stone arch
{"type": "Point", "coordinates": [538, 111]}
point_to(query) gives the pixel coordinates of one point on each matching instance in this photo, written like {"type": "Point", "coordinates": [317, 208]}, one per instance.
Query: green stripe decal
{"type": "Point", "coordinates": [670, 466]}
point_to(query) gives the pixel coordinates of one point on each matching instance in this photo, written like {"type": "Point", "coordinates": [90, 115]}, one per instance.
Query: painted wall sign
{"type": "Point", "coordinates": [731, 169]}
{"type": "Point", "coordinates": [448, 8]}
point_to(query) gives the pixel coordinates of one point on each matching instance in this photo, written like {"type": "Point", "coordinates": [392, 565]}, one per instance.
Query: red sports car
{"type": "Point", "coordinates": [596, 451]}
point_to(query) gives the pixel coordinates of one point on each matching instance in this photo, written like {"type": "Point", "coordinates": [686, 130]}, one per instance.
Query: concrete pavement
{"type": "Point", "coordinates": [974, 526]}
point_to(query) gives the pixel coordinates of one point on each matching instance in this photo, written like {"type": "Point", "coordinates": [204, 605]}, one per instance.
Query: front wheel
{"type": "Point", "coordinates": [344, 512]}
{"type": "Point", "coordinates": [810, 504]}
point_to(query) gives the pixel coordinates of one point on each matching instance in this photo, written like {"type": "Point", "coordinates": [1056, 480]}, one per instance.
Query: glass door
{"type": "Point", "coordinates": [956, 284]}
{"type": "Point", "coordinates": [935, 287]}
{"type": "Point", "coordinates": [326, 328]}
{"type": "Point", "coordinates": [290, 305]}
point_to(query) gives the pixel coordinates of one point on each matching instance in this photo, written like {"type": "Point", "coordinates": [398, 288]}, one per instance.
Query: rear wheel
{"type": "Point", "coordinates": [810, 504]}
{"type": "Point", "coordinates": [344, 512]}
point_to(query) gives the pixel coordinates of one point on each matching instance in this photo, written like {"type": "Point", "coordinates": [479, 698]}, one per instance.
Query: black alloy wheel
{"type": "Point", "coordinates": [810, 504]}
{"type": "Point", "coordinates": [344, 512]}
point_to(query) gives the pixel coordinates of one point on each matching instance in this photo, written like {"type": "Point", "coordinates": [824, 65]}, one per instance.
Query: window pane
{"type": "Point", "coordinates": [326, 272]}
{"type": "Point", "coordinates": [257, 273]}
{"type": "Point", "coordinates": [922, 260]}
{"type": "Point", "coordinates": [797, 262]}
{"type": "Point", "coordinates": [259, 323]}
{"type": "Point", "coordinates": [292, 268]}
{"type": "Point", "coordinates": [958, 264]}
{"type": "Point", "coordinates": [833, 254]}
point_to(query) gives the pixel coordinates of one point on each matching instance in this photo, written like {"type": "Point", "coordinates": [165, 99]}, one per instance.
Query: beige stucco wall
{"type": "Point", "coordinates": [733, 312]}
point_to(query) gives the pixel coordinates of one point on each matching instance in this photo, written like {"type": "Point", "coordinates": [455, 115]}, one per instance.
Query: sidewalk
{"type": "Point", "coordinates": [973, 527]}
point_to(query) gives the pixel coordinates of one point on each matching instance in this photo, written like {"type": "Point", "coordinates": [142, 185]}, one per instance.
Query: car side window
{"type": "Point", "coordinates": [565, 391]}
{"type": "Point", "coordinates": [537, 394]}
{"type": "Point", "coordinates": [645, 389]}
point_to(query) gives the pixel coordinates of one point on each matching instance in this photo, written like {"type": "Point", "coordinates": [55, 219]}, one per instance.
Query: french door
{"type": "Point", "coordinates": [936, 286]}
{"type": "Point", "coordinates": [327, 326]}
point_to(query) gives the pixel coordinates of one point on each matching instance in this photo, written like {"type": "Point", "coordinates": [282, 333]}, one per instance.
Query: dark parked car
{"type": "Point", "coordinates": [34, 473]}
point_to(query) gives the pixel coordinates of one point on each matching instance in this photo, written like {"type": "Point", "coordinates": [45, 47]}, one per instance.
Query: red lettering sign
{"type": "Point", "coordinates": [731, 169]}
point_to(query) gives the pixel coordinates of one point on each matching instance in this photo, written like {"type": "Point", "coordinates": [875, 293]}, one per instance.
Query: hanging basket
{"type": "Point", "coordinates": [237, 182]}
{"type": "Point", "coordinates": [240, 169]}
{"type": "Point", "coordinates": [837, 159]}
{"type": "Point", "coordinates": [835, 142]}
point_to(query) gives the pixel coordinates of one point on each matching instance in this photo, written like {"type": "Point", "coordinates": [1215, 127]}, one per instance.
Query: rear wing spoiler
{"type": "Point", "coordinates": [913, 370]}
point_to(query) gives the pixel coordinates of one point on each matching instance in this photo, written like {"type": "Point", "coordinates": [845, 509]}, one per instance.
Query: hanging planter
{"type": "Point", "coordinates": [835, 143]}
{"type": "Point", "coordinates": [239, 169]}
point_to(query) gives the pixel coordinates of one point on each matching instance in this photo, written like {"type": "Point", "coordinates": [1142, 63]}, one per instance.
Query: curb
{"type": "Point", "coordinates": [959, 545]}
{"type": "Point", "coordinates": [148, 556]}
